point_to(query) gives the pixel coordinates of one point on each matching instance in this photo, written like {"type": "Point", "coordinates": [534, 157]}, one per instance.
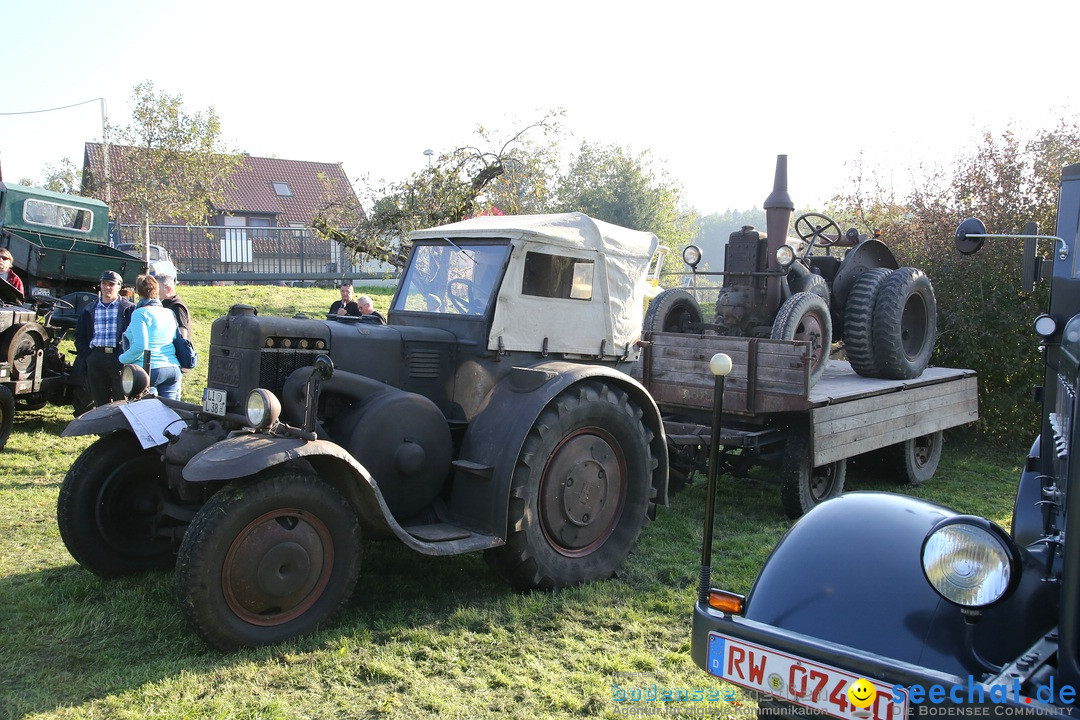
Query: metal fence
{"type": "Point", "coordinates": [248, 255]}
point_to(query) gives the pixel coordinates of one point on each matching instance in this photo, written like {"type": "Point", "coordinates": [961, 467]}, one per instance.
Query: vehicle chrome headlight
{"type": "Point", "coordinates": [134, 380]}
{"type": "Point", "coordinates": [785, 255]}
{"type": "Point", "coordinates": [263, 408]}
{"type": "Point", "coordinates": [691, 255]}
{"type": "Point", "coordinates": [970, 561]}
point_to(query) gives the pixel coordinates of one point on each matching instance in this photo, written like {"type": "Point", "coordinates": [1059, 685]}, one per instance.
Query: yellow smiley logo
{"type": "Point", "coordinates": [861, 693]}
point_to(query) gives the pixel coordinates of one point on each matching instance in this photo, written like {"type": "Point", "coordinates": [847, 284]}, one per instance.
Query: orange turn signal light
{"type": "Point", "coordinates": [727, 602]}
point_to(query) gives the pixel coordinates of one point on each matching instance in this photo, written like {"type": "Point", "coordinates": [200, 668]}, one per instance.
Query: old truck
{"type": "Point", "coordinates": [59, 244]}
{"type": "Point", "coordinates": [490, 414]}
{"type": "Point", "coordinates": [882, 606]}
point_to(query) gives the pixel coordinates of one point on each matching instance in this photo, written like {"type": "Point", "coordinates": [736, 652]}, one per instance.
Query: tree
{"type": "Point", "coordinates": [65, 178]}
{"type": "Point", "coordinates": [613, 184]}
{"type": "Point", "coordinates": [170, 166]}
{"type": "Point", "coordinates": [984, 317]}
{"type": "Point", "coordinates": [464, 182]}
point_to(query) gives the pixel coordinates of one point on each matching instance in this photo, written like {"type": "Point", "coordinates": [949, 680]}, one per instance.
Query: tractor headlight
{"type": "Point", "coordinates": [691, 255]}
{"type": "Point", "coordinates": [263, 408]}
{"type": "Point", "coordinates": [970, 561]}
{"type": "Point", "coordinates": [785, 255]}
{"type": "Point", "coordinates": [134, 380]}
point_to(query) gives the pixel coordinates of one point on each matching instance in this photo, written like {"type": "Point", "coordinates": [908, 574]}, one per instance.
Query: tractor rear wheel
{"type": "Point", "coordinates": [581, 491]}
{"type": "Point", "coordinates": [905, 324]}
{"type": "Point", "coordinates": [673, 310]}
{"type": "Point", "coordinates": [859, 321]}
{"type": "Point", "coordinates": [267, 559]}
{"type": "Point", "coordinates": [805, 316]}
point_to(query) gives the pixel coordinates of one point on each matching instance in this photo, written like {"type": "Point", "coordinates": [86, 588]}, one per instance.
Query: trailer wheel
{"type": "Point", "coordinates": [581, 491]}
{"type": "Point", "coordinates": [267, 559]}
{"type": "Point", "coordinates": [111, 508]}
{"type": "Point", "coordinates": [805, 316]}
{"type": "Point", "coordinates": [803, 487]}
{"type": "Point", "coordinates": [673, 310]}
{"type": "Point", "coordinates": [915, 461]}
{"type": "Point", "coordinates": [905, 324]}
{"type": "Point", "coordinates": [7, 415]}
{"type": "Point", "coordinates": [859, 321]}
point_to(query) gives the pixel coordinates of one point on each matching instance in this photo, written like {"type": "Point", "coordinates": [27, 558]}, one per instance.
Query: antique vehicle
{"type": "Point", "coordinates": [160, 261]}
{"type": "Point", "coordinates": [490, 414]}
{"type": "Point", "coordinates": [882, 606]}
{"type": "Point", "coordinates": [59, 244]}
{"type": "Point", "coordinates": [885, 315]}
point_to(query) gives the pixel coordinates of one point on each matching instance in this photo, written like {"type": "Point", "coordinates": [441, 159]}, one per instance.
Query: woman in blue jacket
{"type": "Point", "coordinates": [153, 328]}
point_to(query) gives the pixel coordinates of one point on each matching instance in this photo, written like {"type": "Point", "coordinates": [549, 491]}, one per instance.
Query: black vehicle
{"type": "Point", "coordinates": [929, 608]}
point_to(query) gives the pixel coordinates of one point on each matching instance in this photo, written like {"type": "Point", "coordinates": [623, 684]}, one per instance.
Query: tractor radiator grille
{"type": "Point", "coordinates": [275, 365]}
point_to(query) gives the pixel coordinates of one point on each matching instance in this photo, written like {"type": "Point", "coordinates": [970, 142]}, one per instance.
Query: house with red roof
{"type": "Point", "coordinates": [261, 232]}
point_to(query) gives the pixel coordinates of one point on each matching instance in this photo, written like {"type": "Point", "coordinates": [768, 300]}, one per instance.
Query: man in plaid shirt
{"type": "Point", "coordinates": [97, 340]}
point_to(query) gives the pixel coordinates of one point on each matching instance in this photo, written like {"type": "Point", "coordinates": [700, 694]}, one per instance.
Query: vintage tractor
{"type": "Point", "coordinates": [885, 315]}
{"type": "Point", "coordinates": [490, 414]}
{"type": "Point", "coordinates": [876, 605]}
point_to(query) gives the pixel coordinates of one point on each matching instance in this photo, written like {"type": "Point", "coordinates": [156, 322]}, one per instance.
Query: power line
{"type": "Point", "coordinates": [65, 107]}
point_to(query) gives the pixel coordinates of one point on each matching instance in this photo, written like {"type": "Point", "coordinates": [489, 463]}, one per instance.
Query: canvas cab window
{"type": "Point", "coordinates": [555, 276]}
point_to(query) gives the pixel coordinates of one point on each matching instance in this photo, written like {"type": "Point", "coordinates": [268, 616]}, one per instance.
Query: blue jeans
{"type": "Point", "coordinates": [166, 380]}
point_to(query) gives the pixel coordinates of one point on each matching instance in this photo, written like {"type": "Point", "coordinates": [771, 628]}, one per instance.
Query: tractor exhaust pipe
{"type": "Point", "coordinates": [778, 211]}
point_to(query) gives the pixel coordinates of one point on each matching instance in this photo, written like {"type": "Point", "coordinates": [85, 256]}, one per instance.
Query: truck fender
{"type": "Point", "coordinates": [495, 436]}
{"type": "Point", "coordinates": [850, 572]}
{"type": "Point", "coordinates": [247, 455]}
{"type": "Point", "coordinates": [98, 421]}
{"type": "Point", "coordinates": [1028, 525]}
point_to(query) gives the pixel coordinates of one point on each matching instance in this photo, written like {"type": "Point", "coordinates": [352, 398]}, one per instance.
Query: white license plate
{"type": "Point", "coordinates": [796, 680]}
{"type": "Point", "coordinates": [213, 401]}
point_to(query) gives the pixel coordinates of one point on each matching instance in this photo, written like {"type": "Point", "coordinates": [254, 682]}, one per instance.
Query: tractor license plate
{"type": "Point", "coordinates": [800, 681]}
{"type": "Point", "coordinates": [213, 402]}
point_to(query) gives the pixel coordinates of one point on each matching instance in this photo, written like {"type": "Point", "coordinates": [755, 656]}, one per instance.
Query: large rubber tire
{"type": "Point", "coordinates": [7, 415]}
{"type": "Point", "coordinates": [581, 491]}
{"type": "Point", "coordinates": [21, 345]}
{"type": "Point", "coordinates": [111, 509]}
{"type": "Point", "coordinates": [859, 321]}
{"type": "Point", "coordinates": [802, 487]}
{"type": "Point", "coordinates": [812, 283]}
{"type": "Point", "coordinates": [915, 461]}
{"type": "Point", "coordinates": [805, 316]}
{"type": "Point", "coordinates": [673, 310]}
{"type": "Point", "coordinates": [905, 324]}
{"type": "Point", "coordinates": [267, 559]}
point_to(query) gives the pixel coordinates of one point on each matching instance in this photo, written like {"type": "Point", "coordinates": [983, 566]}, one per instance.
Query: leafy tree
{"type": "Point", "coordinates": [65, 177]}
{"type": "Point", "coordinates": [462, 183]}
{"type": "Point", "coordinates": [613, 184]}
{"type": "Point", "coordinates": [712, 233]}
{"type": "Point", "coordinates": [984, 318]}
{"type": "Point", "coordinates": [170, 164]}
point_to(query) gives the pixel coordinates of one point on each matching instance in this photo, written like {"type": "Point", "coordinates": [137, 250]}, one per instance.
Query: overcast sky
{"type": "Point", "coordinates": [713, 90]}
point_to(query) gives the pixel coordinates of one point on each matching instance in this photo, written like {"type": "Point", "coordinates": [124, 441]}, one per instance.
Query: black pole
{"type": "Point", "coordinates": [720, 365]}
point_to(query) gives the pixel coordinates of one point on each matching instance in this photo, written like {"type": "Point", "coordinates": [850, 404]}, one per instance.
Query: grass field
{"type": "Point", "coordinates": [425, 637]}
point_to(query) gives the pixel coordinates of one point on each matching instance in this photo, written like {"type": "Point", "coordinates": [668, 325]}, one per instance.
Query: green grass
{"type": "Point", "coordinates": [424, 636]}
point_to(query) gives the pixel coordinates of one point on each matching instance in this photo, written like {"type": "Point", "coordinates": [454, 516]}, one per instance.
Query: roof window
{"type": "Point", "coordinates": [282, 189]}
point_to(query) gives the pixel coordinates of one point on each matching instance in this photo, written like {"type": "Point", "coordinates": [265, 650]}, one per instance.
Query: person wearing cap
{"type": "Point", "coordinates": [7, 272]}
{"type": "Point", "coordinates": [153, 328]}
{"type": "Point", "coordinates": [98, 334]}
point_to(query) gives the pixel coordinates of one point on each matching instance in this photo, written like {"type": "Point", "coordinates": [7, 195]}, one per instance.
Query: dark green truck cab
{"type": "Point", "coordinates": [60, 247]}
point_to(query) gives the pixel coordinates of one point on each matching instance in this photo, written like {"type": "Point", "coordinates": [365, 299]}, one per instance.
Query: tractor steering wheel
{"type": "Point", "coordinates": [809, 230]}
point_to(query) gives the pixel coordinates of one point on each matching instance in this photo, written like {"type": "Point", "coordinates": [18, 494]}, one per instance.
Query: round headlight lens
{"type": "Point", "coordinates": [970, 561]}
{"type": "Point", "coordinates": [1045, 326]}
{"type": "Point", "coordinates": [134, 381]}
{"type": "Point", "coordinates": [691, 255]}
{"type": "Point", "coordinates": [263, 408]}
{"type": "Point", "coordinates": [785, 255]}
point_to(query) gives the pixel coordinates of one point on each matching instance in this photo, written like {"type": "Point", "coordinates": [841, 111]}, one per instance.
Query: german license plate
{"type": "Point", "coordinates": [213, 402]}
{"type": "Point", "coordinates": [800, 681]}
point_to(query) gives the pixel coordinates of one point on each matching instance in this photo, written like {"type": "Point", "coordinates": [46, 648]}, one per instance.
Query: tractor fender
{"type": "Point", "coordinates": [98, 421]}
{"type": "Point", "coordinates": [496, 434]}
{"type": "Point", "coordinates": [867, 255]}
{"type": "Point", "coordinates": [850, 572]}
{"type": "Point", "coordinates": [249, 454]}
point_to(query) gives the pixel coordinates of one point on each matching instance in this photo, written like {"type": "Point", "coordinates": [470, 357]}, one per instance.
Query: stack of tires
{"type": "Point", "coordinates": [890, 323]}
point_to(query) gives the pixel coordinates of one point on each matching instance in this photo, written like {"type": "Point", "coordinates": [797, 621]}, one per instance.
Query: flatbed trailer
{"type": "Point", "coordinates": [772, 415]}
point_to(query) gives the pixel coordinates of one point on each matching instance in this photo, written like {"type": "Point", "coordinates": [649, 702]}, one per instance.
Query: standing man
{"type": "Point", "coordinates": [346, 305]}
{"type": "Point", "coordinates": [7, 272]}
{"type": "Point", "coordinates": [171, 300]}
{"type": "Point", "coordinates": [97, 339]}
{"type": "Point", "coordinates": [366, 308]}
